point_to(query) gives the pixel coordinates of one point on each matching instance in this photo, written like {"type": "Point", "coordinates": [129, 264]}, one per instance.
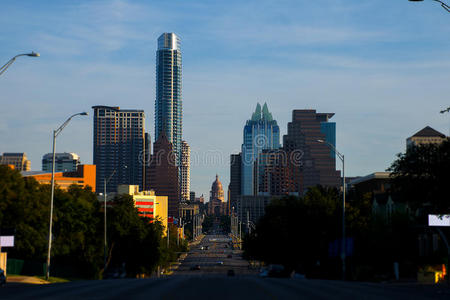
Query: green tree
{"type": "Point", "coordinates": [297, 231]}
{"type": "Point", "coordinates": [421, 175]}
{"type": "Point", "coordinates": [24, 207]}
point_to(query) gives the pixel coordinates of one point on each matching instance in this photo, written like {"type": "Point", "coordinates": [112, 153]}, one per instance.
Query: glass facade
{"type": "Point", "coordinates": [261, 132]}
{"type": "Point", "coordinates": [329, 129]}
{"type": "Point", "coordinates": [168, 103]}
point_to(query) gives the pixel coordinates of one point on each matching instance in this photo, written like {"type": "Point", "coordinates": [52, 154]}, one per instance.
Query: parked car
{"type": "Point", "coordinates": [196, 267]}
{"type": "Point", "coordinates": [277, 271]}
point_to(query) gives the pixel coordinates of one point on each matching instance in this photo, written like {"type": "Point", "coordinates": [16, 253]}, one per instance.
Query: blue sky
{"type": "Point", "coordinates": [382, 66]}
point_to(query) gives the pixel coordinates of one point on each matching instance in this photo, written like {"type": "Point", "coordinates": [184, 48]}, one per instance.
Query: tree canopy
{"type": "Point", "coordinates": [78, 229]}
{"type": "Point", "coordinates": [421, 175]}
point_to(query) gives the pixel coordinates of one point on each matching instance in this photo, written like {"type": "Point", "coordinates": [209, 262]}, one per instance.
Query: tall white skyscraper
{"type": "Point", "coordinates": [168, 103]}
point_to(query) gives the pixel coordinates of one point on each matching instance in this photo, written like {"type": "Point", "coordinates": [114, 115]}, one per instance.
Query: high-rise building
{"type": "Point", "coordinates": [425, 136]}
{"type": "Point", "coordinates": [192, 196]}
{"type": "Point", "coordinates": [119, 145]}
{"type": "Point", "coordinates": [315, 161]}
{"type": "Point", "coordinates": [162, 173]}
{"type": "Point", "coordinates": [261, 132]}
{"type": "Point", "coordinates": [185, 173]}
{"type": "Point", "coordinates": [168, 104]}
{"type": "Point", "coordinates": [64, 162]}
{"type": "Point", "coordinates": [234, 187]}
{"type": "Point", "coordinates": [276, 171]}
{"type": "Point", "coordinates": [18, 160]}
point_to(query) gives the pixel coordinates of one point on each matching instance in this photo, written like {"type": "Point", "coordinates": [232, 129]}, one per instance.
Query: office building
{"type": "Point", "coordinates": [276, 173]}
{"type": "Point", "coordinates": [192, 196]}
{"type": "Point", "coordinates": [162, 173]}
{"type": "Point", "coordinates": [425, 136]}
{"type": "Point", "coordinates": [188, 211]}
{"type": "Point", "coordinates": [148, 204]}
{"type": "Point", "coordinates": [119, 144]}
{"type": "Point", "coordinates": [260, 132]}
{"type": "Point", "coordinates": [83, 176]}
{"type": "Point", "coordinates": [64, 162]}
{"type": "Point", "coordinates": [251, 208]}
{"type": "Point", "coordinates": [18, 160]}
{"type": "Point", "coordinates": [234, 187]}
{"type": "Point", "coordinates": [315, 162]}
{"type": "Point", "coordinates": [168, 104]}
{"type": "Point", "coordinates": [185, 173]}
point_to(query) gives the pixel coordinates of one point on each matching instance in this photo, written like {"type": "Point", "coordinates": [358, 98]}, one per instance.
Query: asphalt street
{"type": "Point", "coordinates": [211, 282]}
{"type": "Point", "coordinates": [214, 255]}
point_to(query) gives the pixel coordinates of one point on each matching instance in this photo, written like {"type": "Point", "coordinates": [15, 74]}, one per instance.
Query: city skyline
{"type": "Point", "coordinates": [384, 76]}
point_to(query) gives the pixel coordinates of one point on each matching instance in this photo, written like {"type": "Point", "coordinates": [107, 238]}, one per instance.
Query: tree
{"type": "Point", "coordinates": [297, 231]}
{"type": "Point", "coordinates": [420, 177]}
{"type": "Point", "coordinates": [77, 247]}
{"type": "Point", "coordinates": [24, 207]}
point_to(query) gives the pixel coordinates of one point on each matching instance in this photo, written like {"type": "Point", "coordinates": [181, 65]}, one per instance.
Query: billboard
{"type": "Point", "coordinates": [7, 241]}
{"type": "Point", "coordinates": [439, 220]}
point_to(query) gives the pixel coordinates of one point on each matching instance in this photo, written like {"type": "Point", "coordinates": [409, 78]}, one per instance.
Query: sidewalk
{"type": "Point", "coordinates": [25, 279]}
{"type": "Point", "coordinates": [197, 240]}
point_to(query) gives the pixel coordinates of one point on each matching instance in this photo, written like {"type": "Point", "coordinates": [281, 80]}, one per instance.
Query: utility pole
{"type": "Point", "coordinates": [248, 222]}
{"type": "Point", "coordinates": [168, 234]}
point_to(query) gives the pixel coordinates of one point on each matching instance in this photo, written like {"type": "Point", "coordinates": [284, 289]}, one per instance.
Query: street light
{"type": "Point", "coordinates": [341, 157]}
{"type": "Point", "coordinates": [6, 66]}
{"type": "Point", "coordinates": [55, 134]}
{"type": "Point", "coordinates": [445, 110]}
{"type": "Point", "coordinates": [104, 195]}
{"type": "Point", "coordinates": [445, 6]}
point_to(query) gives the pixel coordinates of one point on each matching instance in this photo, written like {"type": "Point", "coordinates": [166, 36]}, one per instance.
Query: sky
{"type": "Point", "coordinates": [381, 66]}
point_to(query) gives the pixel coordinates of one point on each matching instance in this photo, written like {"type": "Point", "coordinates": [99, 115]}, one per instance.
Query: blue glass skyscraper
{"type": "Point", "coordinates": [168, 103]}
{"type": "Point", "coordinates": [261, 132]}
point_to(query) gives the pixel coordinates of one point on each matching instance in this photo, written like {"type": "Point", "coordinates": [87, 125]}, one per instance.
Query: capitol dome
{"type": "Point", "coordinates": [217, 190]}
{"type": "Point", "coordinates": [217, 185]}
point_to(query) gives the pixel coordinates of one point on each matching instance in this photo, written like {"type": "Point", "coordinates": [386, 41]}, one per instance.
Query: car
{"type": "Point", "coordinates": [220, 263]}
{"type": "Point", "coordinates": [278, 271]}
{"type": "Point", "coordinates": [195, 267]}
{"type": "Point", "coordinates": [230, 272]}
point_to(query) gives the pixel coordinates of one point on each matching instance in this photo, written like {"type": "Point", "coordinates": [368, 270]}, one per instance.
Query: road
{"type": "Point", "coordinates": [215, 256]}
{"type": "Point", "coordinates": [211, 282]}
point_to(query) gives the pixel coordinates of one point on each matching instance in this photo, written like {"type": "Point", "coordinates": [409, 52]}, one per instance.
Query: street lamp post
{"type": "Point", "coordinates": [444, 5]}
{"type": "Point", "coordinates": [343, 250]}
{"type": "Point", "coordinates": [445, 110]}
{"type": "Point", "coordinates": [55, 134]}
{"type": "Point", "coordinates": [10, 62]}
{"type": "Point", "coordinates": [104, 197]}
